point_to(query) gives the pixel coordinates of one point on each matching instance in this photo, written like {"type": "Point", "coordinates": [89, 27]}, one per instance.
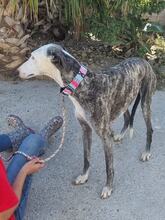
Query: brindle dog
{"type": "Point", "coordinates": [104, 96]}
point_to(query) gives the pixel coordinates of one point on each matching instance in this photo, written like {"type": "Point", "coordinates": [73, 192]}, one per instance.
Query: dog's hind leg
{"type": "Point", "coordinates": [87, 141]}
{"type": "Point", "coordinates": [128, 121]}
{"type": "Point", "coordinates": [133, 113]}
{"type": "Point", "coordinates": [119, 137]}
{"type": "Point", "coordinates": [146, 109]}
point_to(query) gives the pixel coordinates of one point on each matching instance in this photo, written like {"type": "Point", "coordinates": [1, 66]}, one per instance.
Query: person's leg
{"type": "Point", "coordinates": [5, 142]}
{"type": "Point", "coordinates": [32, 145]}
{"type": "Point", "coordinates": [20, 211]}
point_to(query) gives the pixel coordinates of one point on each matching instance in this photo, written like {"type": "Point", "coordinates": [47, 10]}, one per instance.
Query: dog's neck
{"type": "Point", "coordinates": [75, 80]}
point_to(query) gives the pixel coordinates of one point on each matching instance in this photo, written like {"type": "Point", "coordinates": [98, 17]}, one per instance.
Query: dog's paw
{"type": "Point", "coordinates": [106, 192]}
{"type": "Point", "coordinates": [145, 156]}
{"type": "Point", "coordinates": [81, 179]}
{"type": "Point", "coordinates": [117, 137]}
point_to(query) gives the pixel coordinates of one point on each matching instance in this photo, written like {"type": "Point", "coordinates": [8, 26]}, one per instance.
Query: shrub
{"type": "Point", "coordinates": [116, 22]}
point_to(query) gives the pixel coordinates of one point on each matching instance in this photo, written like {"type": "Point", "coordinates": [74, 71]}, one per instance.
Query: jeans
{"type": "Point", "coordinates": [33, 146]}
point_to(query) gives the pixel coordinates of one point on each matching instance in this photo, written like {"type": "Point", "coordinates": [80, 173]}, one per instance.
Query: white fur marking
{"type": "Point", "coordinates": [81, 179]}
{"type": "Point", "coordinates": [131, 133]}
{"type": "Point", "coordinates": [145, 156]}
{"type": "Point", "coordinates": [40, 65]}
{"type": "Point", "coordinates": [121, 114]}
{"type": "Point", "coordinates": [118, 137]}
{"type": "Point", "coordinates": [79, 111]}
{"type": "Point", "coordinates": [106, 192]}
{"type": "Point", "coordinates": [68, 54]}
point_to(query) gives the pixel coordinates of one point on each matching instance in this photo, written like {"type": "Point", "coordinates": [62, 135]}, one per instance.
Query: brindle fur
{"type": "Point", "coordinates": [105, 96]}
{"type": "Point", "coordinates": [108, 95]}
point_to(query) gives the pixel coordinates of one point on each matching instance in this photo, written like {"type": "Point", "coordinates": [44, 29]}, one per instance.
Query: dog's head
{"type": "Point", "coordinates": [50, 60]}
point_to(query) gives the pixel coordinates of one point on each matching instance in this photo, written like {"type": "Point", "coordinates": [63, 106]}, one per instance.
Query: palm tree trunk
{"type": "Point", "coordinates": [13, 42]}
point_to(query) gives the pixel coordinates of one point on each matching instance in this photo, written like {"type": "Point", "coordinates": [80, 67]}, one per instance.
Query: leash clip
{"type": "Point", "coordinates": [62, 89]}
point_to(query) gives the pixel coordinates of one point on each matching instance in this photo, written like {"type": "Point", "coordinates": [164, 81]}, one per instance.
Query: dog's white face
{"type": "Point", "coordinates": [41, 63]}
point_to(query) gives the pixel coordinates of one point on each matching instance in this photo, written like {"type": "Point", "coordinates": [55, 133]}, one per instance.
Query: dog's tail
{"type": "Point", "coordinates": [133, 113]}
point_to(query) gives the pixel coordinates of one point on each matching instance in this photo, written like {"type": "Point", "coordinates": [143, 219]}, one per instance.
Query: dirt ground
{"type": "Point", "coordinates": [138, 187]}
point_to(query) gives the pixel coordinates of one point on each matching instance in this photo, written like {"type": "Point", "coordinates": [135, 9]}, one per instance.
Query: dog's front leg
{"type": "Point", "coordinates": [87, 141]}
{"type": "Point", "coordinates": [107, 190]}
{"type": "Point", "coordinates": [106, 135]}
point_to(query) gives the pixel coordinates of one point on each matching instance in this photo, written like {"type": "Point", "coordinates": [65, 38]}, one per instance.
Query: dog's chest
{"type": "Point", "coordinates": [79, 110]}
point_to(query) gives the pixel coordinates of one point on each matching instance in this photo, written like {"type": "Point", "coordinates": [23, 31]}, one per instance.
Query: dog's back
{"type": "Point", "coordinates": [128, 79]}
{"type": "Point", "coordinates": [134, 68]}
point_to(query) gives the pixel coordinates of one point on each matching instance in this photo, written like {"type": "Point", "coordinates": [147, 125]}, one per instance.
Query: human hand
{"type": "Point", "coordinates": [33, 166]}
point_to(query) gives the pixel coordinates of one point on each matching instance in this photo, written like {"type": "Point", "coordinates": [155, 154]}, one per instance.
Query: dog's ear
{"type": "Point", "coordinates": [69, 62]}
{"type": "Point", "coordinates": [54, 54]}
{"type": "Point", "coordinates": [62, 59]}
{"type": "Point", "coordinates": [57, 60]}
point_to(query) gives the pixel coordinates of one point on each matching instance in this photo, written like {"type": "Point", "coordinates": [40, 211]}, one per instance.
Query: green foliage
{"type": "Point", "coordinates": [116, 22]}
{"type": "Point", "coordinates": [121, 19]}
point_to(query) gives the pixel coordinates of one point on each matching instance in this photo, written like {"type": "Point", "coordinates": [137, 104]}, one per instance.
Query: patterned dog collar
{"type": "Point", "coordinates": [72, 86]}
